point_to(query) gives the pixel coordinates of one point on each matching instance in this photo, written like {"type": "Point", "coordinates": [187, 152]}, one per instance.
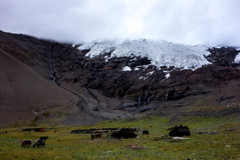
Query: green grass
{"type": "Point", "coordinates": [64, 145]}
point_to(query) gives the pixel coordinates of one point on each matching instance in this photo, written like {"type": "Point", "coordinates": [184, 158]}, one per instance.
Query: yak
{"type": "Point", "coordinates": [44, 138]}
{"type": "Point", "coordinates": [26, 142]}
{"type": "Point", "coordinates": [124, 133]}
{"type": "Point", "coordinates": [145, 132]}
{"type": "Point", "coordinates": [179, 131]}
{"type": "Point", "coordinates": [39, 142]}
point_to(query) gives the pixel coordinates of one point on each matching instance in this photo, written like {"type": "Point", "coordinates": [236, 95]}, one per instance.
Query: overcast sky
{"type": "Point", "coordinates": [182, 21]}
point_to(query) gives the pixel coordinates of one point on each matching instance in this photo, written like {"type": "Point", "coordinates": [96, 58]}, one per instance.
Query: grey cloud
{"type": "Point", "coordinates": [185, 21]}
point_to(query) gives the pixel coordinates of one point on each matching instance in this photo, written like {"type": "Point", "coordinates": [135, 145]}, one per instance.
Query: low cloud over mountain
{"type": "Point", "coordinates": [188, 22]}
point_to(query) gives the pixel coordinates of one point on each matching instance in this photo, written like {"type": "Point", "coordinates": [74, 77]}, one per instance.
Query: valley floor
{"type": "Point", "coordinates": [211, 138]}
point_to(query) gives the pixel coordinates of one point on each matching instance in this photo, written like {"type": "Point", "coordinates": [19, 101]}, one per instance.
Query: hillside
{"type": "Point", "coordinates": [25, 94]}
{"type": "Point", "coordinates": [46, 81]}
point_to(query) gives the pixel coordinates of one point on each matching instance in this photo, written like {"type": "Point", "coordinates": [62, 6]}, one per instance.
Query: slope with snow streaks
{"type": "Point", "coordinates": [161, 53]}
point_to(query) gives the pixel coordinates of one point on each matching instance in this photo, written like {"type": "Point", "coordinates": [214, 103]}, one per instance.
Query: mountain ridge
{"type": "Point", "coordinates": [105, 90]}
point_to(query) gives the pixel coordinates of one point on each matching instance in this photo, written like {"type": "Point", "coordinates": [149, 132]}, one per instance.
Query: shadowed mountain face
{"type": "Point", "coordinates": [40, 76]}
{"type": "Point", "coordinates": [24, 93]}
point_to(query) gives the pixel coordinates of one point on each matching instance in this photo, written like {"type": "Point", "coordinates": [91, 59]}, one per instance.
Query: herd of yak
{"type": "Point", "coordinates": [112, 133]}
{"type": "Point", "coordinates": [37, 143]}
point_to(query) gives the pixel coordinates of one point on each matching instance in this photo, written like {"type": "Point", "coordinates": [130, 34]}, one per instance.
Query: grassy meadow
{"type": "Point", "coordinates": [221, 141]}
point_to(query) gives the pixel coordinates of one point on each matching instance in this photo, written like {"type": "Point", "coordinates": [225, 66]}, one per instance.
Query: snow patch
{"type": "Point", "coordinates": [126, 68]}
{"type": "Point", "coordinates": [146, 76]}
{"type": "Point", "coordinates": [237, 59]}
{"type": "Point", "coordinates": [167, 75]}
{"type": "Point", "coordinates": [150, 73]}
{"type": "Point", "coordinates": [160, 53]}
{"type": "Point", "coordinates": [144, 66]}
{"type": "Point", "coordinates": [136, 69]}
{"type": "Point", "coordinates": [143, 78]}
{"type": "Point", "coordinates": [106, 59]}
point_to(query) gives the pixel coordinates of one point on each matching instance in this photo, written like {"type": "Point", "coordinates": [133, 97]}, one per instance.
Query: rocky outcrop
{"type": "Point", "coordinates": [148, 83]}
{"type": "Point", "coordinates": [223, 56]}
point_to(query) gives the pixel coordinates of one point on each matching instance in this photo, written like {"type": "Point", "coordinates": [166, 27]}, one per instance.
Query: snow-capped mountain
{"type": "Point", "coordinates": [110, 79]}
{"type": "Point", "coordinates": [160, 53]}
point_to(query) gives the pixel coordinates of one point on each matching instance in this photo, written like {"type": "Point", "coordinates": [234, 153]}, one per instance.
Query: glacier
{"type": "Point", "coordinates": [159, 52]}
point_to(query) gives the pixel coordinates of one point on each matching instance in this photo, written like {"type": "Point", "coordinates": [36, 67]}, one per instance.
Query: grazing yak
{"type": "Point", "coordinates": [39, 142]}
{"type": "Point", "coordinates": [124, 133]}
{"type": "Point", "coordinates": [35, 129]}
{"type": "Point", "coordinates": [26, 142]}
{"type": "Point", "coordinates": [145, 132]}
{"type": "Point", "coordinates": [44, 138]}
{"type": "Point", "coordinates": [179, 131]}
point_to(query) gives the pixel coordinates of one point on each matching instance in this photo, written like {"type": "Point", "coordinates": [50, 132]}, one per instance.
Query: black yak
{"type": "Point", "coordinates": [44, 138]}
{"type": "Point", "coordinates": [179, 131]}
{"type": "Point", "coordinates": [145, 132]}
{"type": "Point", "coordinates": [124, 133]}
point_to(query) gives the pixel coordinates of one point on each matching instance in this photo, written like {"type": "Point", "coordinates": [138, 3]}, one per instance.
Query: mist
{"type": "Point", "coordinates": [214, 22]}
